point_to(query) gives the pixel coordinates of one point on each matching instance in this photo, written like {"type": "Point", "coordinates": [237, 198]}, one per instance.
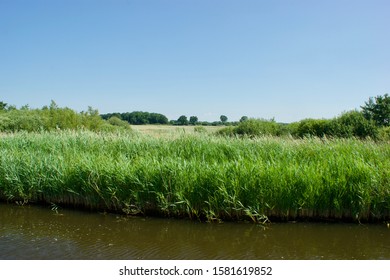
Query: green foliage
{"type": "Point", "coordinates": [243, 119]}
{"type": "Point", "coordinates": [257, 127]}
{"type": "Point", "coordinates": [53, 118]}
{"type": "Point", "coordinates": [138, 117]}
{"type": "Point", "coordinates": [182, 120]}
{"type": "Point", "coordinates": [348, 124]}
{"type": "Point", "coordinates": [353, 124]}
{"type": "Point", "coordinates": [384, 133]}
{"type": "Point", "coordinates": [253, 127]}
{"type": "Point", "coordinates": [312, 127]}
{"type": "Point", "coordinates": [200, 177]}
{"type": "Point", "coordinates": [227, 131]}
{"type": "Point", "coordinates": [115, 121]}
{"type": "Point", "coordinates": [378, 110]}
{"type": "Point", "coordinates": [3, 105]}
{"type": "Point", "coordinates": [223, 118]}
{"type": "Point", "coordinates": [193, 120]}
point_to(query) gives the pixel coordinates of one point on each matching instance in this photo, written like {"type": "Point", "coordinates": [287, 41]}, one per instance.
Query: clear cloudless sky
{"type": "Point", "coordinates": [287, 59]}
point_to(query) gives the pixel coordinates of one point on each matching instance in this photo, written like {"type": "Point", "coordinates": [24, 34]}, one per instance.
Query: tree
{"type": "Point", "coordinates": [243, 119]}
{"type": "Point", "coordinates": [53, 105]}
{"type": "Point", "coordinates": [378, 110]}
{"type": "Point", "coordinates": [3, 105]}
{"type": "Point", "coordinates": [223, 118]}
{"type": "Point", "coordinates": [157, 118]}
{"type": "Point", "coordinates": [182, 120]}
{"type": "Point", "coordinates": [193, 120]}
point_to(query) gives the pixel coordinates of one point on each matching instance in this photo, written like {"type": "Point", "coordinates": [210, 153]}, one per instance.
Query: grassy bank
{"type": "Point", "coordinates": [199, 176]}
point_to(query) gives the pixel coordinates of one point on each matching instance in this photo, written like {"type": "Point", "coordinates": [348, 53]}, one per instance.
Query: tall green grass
{"type": "Point", "coordinates": [199, 176]}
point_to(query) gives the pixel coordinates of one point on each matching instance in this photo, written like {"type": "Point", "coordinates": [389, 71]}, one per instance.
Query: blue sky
{"type": "Point", "coordinates": [288, 59]}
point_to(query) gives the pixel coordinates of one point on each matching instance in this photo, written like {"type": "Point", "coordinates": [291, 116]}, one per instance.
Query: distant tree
{"type": "Point", "coordinates": [243, 119]}
{"type": "Point", "coordinates": [378, 110]}
{"type": "Point", "coordinates": [182, 120]}
{"type": "Point", "coordinates": [138, 117]}
{"type": "Point", "coordinates": [3, 105]}
{"type": "Point", "coordinates": [11, 107]}
{"type": "Point", "coordinates": [223, 118]}
{"type": "Point", "coordinates": [155, 118]}
{"type": "Point", "coordinates": [53, 105]}
{"type": "Point", "coordinates": [193, 120]}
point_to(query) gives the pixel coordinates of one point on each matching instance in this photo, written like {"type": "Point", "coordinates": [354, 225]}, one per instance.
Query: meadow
{"type": "Point", "coordinates": [173, 131]}
{"type": "Point", "coordinates": [199, 175]}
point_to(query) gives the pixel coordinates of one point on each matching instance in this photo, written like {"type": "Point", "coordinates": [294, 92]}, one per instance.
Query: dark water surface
{"type": "Point", "coordinates": [30, 232]}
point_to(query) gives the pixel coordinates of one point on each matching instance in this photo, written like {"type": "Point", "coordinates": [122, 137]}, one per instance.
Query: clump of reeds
{"type": "Point", "coordinates": [199, 176]}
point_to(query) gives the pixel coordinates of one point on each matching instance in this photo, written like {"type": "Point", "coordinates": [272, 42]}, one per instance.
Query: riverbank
{"type": "Point", "coordinates": [199, 176]}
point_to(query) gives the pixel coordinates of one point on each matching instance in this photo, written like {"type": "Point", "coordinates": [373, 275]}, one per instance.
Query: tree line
{"type": "Point", "coordinates": [372, 120]}
{"type": "Point", "coordinates": [54, 117]}
{"type": "Point", "coordinates": [140, 118]}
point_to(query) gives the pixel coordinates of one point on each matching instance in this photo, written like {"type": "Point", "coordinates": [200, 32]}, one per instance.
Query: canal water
{"type": "Point", "coordinates": [31, 232]}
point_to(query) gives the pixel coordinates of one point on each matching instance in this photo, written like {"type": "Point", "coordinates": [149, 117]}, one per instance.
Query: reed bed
{"type": "Point", "coordinates": [199, 176]}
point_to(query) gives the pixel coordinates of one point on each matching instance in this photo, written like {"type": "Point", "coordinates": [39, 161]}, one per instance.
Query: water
{"type": "Point", "coordinates": [30, 232]}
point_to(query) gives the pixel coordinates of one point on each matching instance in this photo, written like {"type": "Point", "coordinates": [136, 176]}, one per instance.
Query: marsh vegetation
{"type": "Point", "coordinates": [199, 176]}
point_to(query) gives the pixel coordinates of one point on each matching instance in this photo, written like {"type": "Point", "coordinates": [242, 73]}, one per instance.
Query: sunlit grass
{"type": "Point", "coordinates": [174, 130]}
{"type": "Point", "coordinates": [199, 176]}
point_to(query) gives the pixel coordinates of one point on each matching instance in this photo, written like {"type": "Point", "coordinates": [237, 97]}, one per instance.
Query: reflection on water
{"type": "Point", "coordinates": [38, 233]}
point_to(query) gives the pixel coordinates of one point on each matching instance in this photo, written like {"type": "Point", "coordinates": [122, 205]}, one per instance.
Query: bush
{"type": "Point", "coordinates": [258, 127]}
{"type": "Point", "coordinates": [55, 118]}
{"type": "Point", "coordinates": [253, 127]}
{"type": "Point", "coordinates": [115, 121]}
{"type": "Point", "coordinates": [226, 131]}
{"type": "Point", "coordinates": [354, 124]}
{"type": "Point", "coordinates": [17, 120]}
{"type": "Point", "coordinates": [312, 127]}
{"type": "Point", "coordinates": [349, 124]}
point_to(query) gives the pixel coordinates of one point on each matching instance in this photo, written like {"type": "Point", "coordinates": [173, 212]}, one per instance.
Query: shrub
{"type": "Point", "coordinates": [115, 121]}
{"type": "Point", "coordinates": [312, 127]}
{"type": "Point", "coordinates": [253, 128]}
{"type": "Point", "coordinates": [257, 127]}
{"type": "Point", "coordinates": [354, 124]}
{"type": "Point", "coordinates": [55, 118]}
{"type": "Point", "coordinates": [349, 124]}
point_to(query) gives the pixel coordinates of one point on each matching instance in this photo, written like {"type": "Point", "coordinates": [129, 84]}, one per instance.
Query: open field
{"type": "Point", "coordinates": [199, 176]}
{"type": "Point", "coordinates": [172, 130]}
